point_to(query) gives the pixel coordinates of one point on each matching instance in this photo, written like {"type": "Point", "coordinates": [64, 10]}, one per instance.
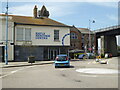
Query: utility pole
{"type": "Point", "coordinates": [90, 34]}
{"type": "Point", "coordinates": [6, 44]}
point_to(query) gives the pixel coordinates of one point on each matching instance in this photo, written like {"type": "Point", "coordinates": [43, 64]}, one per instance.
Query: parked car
{"type": "Point", "coordinates": [86, 56]}
{"type": "Point", "coordinates": [62, 60]}
{"type": "Point", "coordinates": [81, 56]}
{"type": "Point", "coordinates": [90, 55]}
{"type": "Point", "coordinates": [108, 55]}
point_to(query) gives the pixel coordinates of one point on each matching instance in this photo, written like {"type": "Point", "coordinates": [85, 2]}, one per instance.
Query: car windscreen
{"type": "Point", "coordinates": [61, 58]}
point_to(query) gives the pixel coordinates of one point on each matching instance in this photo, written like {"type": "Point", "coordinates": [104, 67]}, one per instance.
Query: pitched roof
{"type": "Point", "coordinates": [84, 30]}
{"type": "Point", "coordinates": [35, 21]}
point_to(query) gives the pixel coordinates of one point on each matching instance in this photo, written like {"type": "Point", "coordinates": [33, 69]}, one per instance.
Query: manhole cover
{"type": "Point", "coordinates": [97, 71]}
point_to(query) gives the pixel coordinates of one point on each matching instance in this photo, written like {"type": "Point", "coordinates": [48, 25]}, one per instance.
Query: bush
{"type": "Point", "coordinates": [102, 55]}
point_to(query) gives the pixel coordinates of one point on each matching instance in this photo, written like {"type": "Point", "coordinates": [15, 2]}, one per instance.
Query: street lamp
{"type": "Point", "coordinates": [6, 44]}
{"type": "Point", "coordinates": [90, 21]}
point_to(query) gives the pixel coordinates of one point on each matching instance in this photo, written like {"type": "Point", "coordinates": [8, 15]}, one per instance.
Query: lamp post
{"type": "Point", "coordinates": [6, 44]}
{"type": "Point", "coordinates": [90, 21]}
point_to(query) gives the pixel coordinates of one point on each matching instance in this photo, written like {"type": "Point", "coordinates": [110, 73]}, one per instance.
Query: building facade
{"type": "Point", "coordinates": [37, 36]}
{"type": "Point", "coordinates": [82, 39]}
{"type": "Point", "coordinates": [75, 38]}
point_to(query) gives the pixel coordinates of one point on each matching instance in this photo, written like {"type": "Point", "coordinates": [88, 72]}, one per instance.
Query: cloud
{"type": "Point", "coordinates": [25, 10]}
{"type": "Point", "coordinates": [106, 4]}
{"type": "Point", "coordinates": [112, 17]}
{"type": "Point", "coordinates": [61, 0]}
{"type": "Point", "coordinates": [60, 10]}
{"type": "Point", "coordinates": [55, 9]}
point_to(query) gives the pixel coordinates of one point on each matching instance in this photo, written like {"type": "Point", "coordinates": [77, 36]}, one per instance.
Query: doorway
{"type": "Point", "coordinates": [53, 54]}
{"type": "Point", "coordinates": [2, 53]}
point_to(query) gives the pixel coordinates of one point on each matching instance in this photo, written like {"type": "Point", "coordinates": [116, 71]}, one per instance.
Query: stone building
{"type": "Point", "coordinates": [80, 39]}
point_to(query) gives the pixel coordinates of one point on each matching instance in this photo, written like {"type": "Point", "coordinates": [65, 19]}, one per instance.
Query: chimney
{"type": "Point", "coordinates": [43, 12]}
{"type": "Point", "coordinates": [35, 11]}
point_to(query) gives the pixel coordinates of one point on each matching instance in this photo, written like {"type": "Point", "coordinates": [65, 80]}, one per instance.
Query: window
{"type": "Point", "coordinates": [24, 34]}
{"type": "Point", "coordinates": [93, 38]}
{"type": "Point", "coordinates": [83, 36]}
{"type": "Point", "coordinates": [56, 35]}
{"type": "Point", "coordinates": [19, 33]}
{"type": "Point", "coordinates": [74, 45]}
{"type": "Point", "coordinates": [27, 34]}
{"type": "Point", "coordinates": [73, 36]}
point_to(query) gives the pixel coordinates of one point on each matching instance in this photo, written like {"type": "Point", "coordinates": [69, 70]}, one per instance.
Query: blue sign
{"type": "Point", "coordinates": [64, 38]}
{"type": "Point", "coordinates": [41, 35]}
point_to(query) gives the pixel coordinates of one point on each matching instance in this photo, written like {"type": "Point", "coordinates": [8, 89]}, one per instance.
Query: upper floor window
{"type": "Point", "coordinates": [56, 35]}
{"type": "Point", "coordinates": [23, 34]}
{"type": "Point", "coordinates": [27, 34]}
{"type": "Point", "coordinates": [83, 35]}
{"type": "Point", "coordinates": [73, 35]}
{"type": "Point", "coordinates": [20, 34]}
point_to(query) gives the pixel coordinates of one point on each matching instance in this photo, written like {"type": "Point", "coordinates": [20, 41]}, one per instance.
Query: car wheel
{"type": "Point", "coordinates": [68, 66]}
{"type": "Point", "coordinates": [55, 66]}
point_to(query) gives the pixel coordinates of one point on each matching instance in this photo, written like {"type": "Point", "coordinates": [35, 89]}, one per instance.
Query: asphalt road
{"type": "Point", "coordinates": [47, 76]}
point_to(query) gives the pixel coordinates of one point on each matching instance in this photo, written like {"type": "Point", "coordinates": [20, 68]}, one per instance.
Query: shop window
{"type": "Point", "coordinates": [56, 35]}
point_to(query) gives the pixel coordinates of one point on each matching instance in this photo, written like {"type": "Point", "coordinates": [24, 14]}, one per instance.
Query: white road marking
{"type": "Point", "coordinates": [97, 71]}
{"type": "Point", "coordinates": [89, 75]}
{"type": "Point", "coordinates": [12, 72]}
{"type": "Point", "coordinates": [97, 76]}
{"type": "Point", "coordinates": [91, 62]}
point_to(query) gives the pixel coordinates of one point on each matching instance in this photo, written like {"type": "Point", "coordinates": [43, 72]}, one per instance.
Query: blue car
{"type": "Point", "coordinates": [81, 56]}
{"type": "Point", "coordinates": [62, 60]}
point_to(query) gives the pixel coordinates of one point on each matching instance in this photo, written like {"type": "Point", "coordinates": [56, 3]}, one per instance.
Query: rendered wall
{"type": "Point", "coordinates": [48, 31]}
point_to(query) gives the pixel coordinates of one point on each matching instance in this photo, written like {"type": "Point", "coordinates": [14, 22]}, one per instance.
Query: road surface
{"type": "Point", "coordinates": [81, 74]}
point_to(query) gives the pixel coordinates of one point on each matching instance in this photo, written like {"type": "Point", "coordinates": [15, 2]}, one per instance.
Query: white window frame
{"type": "Point", "coordinates": [24, 34]}
{"type": "Point", "coordinates": [28, 35]}
{"type": "Point", "coordinates": [17, 38]}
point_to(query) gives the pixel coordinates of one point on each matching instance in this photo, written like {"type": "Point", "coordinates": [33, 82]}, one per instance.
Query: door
{"type": "Point", "coordinates": [1, 53]}
{"type": "Point", "coordinates": [53, 54]}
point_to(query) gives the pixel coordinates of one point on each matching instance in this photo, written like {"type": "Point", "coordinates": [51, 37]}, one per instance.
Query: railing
{"type": "Point", "coordinates": [107, 29]}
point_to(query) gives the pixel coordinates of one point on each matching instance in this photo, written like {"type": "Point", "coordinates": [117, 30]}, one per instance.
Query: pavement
{"type": "Point", "coordinates": [19, 64]}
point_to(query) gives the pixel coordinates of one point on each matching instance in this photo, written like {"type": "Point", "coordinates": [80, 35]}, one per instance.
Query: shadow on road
{"type": "Point", "coordinates": [78, 60]}
{"type": "Point", "coordinates": [66, 67]}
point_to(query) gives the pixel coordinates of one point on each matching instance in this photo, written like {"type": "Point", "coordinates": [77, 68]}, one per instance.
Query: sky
{"type": "Point", "coordinates": [74, 13]}
{"type": "Point", "coordinates": [70, 12]}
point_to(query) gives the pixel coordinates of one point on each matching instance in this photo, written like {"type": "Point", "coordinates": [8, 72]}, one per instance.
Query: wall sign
{"type": "Point", "coordinates": [41, 35]}
{"type": "Point", "coordinates": [64, 38]}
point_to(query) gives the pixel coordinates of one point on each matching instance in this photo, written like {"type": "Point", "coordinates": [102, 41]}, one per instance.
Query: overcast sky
{"type": "Point", "coordinates": [71, 13]}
